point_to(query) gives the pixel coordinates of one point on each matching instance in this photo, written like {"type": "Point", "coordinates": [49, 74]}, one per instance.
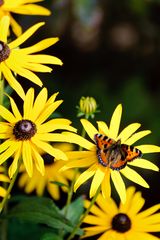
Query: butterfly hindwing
{"type": "Point", "coordinates": [131, 152]}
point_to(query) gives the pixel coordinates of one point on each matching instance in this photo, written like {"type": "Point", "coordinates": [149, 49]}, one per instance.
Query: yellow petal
{"type": "Point", "coordinates": [4, 178]}
{"type": "Point", "coordinates": [95, 220]}
{"type": "Point", "coordinates": [85, 176]}
{"type": "Point", "coordinates": [7, 115]}
{"type": "Point", "coordinates": [119, 185]}
{"type": "Point", "coordinates": [143, 163]}
{"type": "Point", "coordinates": [6, 144]}
{"type": "Point", "coordinates": [4, 28]}
{"type": "Point", "coordinates": [128, 131]}
{"type": "Point", "coordinates": [39, 162]}
{"type": "Point", "coordinates": [50, 126]}
{"type": "Point", "coordinates": [36, 67]}
{"type": "Point", "coordinates": [27, 157]}
{"type": "Point", "coordinates": [39, 103]}
{"type": "Point", "coordinates": [28, 104]}
{"type": "Point", "coordinates": [12, 81]}
{"type": "Point", "coordinates": [86, 162]}
{"type": "Point", "coordinates": [148, 211]}
{"type": "Point", "coordinates": [115, 122]}
{"type": "Point", "coordinates": [89, 128]}
{"type": "Point", "coordinates": [31, 9]}
{"type": "Point", "coordinates": [106, 186]}
{"type": "Point", "coordinates": [43, 58]}
{"type": "Point", "coordinates": [13, 167]}
{"type": "Point", "coordinates": [14, 63]}
{"type": "Point", "coordinates": [15, 109]}
{"type": "Point", "coordinates": [9, 152]}
{"type": "Point", "coordinates": [108, 206]}
{"type": "Point", "coordinates": [96, 182]}
{"type": "Point", "coordinates": [148, 148]}
{"type": "Point", "coordinates": [134, 176]}
{"type": "Point", "coordinates": [74, 138]}
{"type": "Point", "coordinates": [41, 45]}
{"type": "Point", "coordinates": [103, 128]}
{"type": "Point", "coordinates": [124, 207]}
{"type": "Point", "coordinates": [2, 192]}
{"type": "Point", "coordinates": [79, 154]}
{"type": "Point", "coordinates": [136, 205]}
{"type": "Point", "coordinates": [15, 26]}
{"type": "Point", "coordinates": [27, 34]}
{"type": "Point", "coordinates": [57, 153]}
{"type": "Point", "coordinates": [48, 111]}
{"type": "Point", "coordinates": [136, 136]}
{"type": "Point", "coordinates": [132, 235]}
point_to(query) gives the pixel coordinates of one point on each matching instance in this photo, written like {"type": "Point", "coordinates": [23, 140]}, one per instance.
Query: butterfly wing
{"type": "Point", "coordinates": [124, 154]}
{"type": "Point", "coordinates": [103, 144]}
{"type": "Point", "coordinates": [131, 152]}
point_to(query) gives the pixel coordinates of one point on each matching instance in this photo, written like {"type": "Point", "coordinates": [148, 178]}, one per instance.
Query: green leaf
{"type": "Point", "coordinates": [40, 210]}
{"type": "Point", "coordinates": [74, 210]}
{"type": "Point", "coordinates": [51, 236]}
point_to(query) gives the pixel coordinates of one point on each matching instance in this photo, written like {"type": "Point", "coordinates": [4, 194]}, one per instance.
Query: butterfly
{"type": "Point", "coordinates": [114, 154]}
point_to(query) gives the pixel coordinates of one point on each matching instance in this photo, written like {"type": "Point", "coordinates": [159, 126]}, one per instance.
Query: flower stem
{"type": "Point", "coordinates": [2, 204]}
{"type": "Point", "coordinates": [73, 233]}
{"type": "Point", "coordinates": [1, 91]}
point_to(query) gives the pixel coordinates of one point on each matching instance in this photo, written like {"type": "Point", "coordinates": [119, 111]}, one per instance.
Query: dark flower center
{"type": "Point", "coordinates": [24, 130]}
{"type": "Point", "coordinates": [121, 223]}
{"type": "Point", "coordinates": [48, 159]}
{"type": "Point", "coordinates": [1, 2]}
{"type": "Point", "coordinates": [4, 51]}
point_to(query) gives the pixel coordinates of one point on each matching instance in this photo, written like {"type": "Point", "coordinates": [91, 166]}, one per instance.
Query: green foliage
{"type": "Point", "coordinates": [41, 210]}
{"type": "Point", "coordinates": [74, 211]}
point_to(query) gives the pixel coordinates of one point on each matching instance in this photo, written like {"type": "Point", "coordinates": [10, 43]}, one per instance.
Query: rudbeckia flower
{"type": "Point", "coordinates": [23, 61]}
{"type": "Point", "coordinates": [39, 183]}
{"type": "Point", "coordinates": [26, 134]}
{"type": "Point", "coordinates": [25, 7]}
{"type": "Point", "coordinates": [3, 178]}
{"type": "Point", "coordinates": [100, 170]}
{"type": "Point", "coordinates": [125, 222]}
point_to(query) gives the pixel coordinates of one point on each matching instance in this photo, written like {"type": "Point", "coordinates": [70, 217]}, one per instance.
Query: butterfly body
{"type": "Point", "coordinates": [113, 154]}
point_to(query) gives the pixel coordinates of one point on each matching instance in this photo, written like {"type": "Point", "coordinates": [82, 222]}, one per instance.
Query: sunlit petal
{"type": "Point", "coordinates": [115, 122]}
{"type": "Point", "coordinates": [96, 182]}
{"type": "Point", "coordinates": [128, 131]}
{"type": "Point", "coordinates": [143, 163]}
{"type": "Point", "coordinates": [119, 185]}
{"type": "Point", "coordinates": [134, 176]}
{"type": "Point", "coordinates": [103, 128]}
{"type": "Point", "coordinates": [85, 176]}
{"type": "Point", "coordinates": [89, 128]}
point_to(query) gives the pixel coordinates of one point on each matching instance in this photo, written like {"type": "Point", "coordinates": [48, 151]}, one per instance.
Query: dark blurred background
{"type": "Point", "coordinates": [111, 51]}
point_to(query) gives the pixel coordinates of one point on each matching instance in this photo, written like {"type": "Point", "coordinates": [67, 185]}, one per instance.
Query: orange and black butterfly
{"type": "Point", "coordinates": [114, 154]}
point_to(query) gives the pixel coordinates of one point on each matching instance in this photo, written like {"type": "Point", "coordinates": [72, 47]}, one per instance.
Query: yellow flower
{"type": "Point", "coordinates": [39, 182]}
{"type": "Point", "coordinates": [25, 135]}
{"type": "Point", "coordinates": [25, 7]}
{"type": "Point", "coordinates": [3, 178]}
{"type": "Point", "coordinates": [23, 61]}
{"type": "Point", "coordinates": [101, 173]}
{"type": "Point", "coordinates": [125, 222]}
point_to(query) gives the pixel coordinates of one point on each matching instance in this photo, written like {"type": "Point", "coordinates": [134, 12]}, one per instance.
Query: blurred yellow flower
{"type": "Point", "coordinates": [3, 178]}
{"type": "Point", "coordinates": [27, 134]}
{"type": "Point", "coordinates": [123, 222]}
{"type": "Point", "coordinates": [25, 7]}
{"type": "Point", "coordinates": [23, 61]}
{"type": "Point", "coordinates": [101, 174]}
{"type": "Point", "coordinates": [39, 183]}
